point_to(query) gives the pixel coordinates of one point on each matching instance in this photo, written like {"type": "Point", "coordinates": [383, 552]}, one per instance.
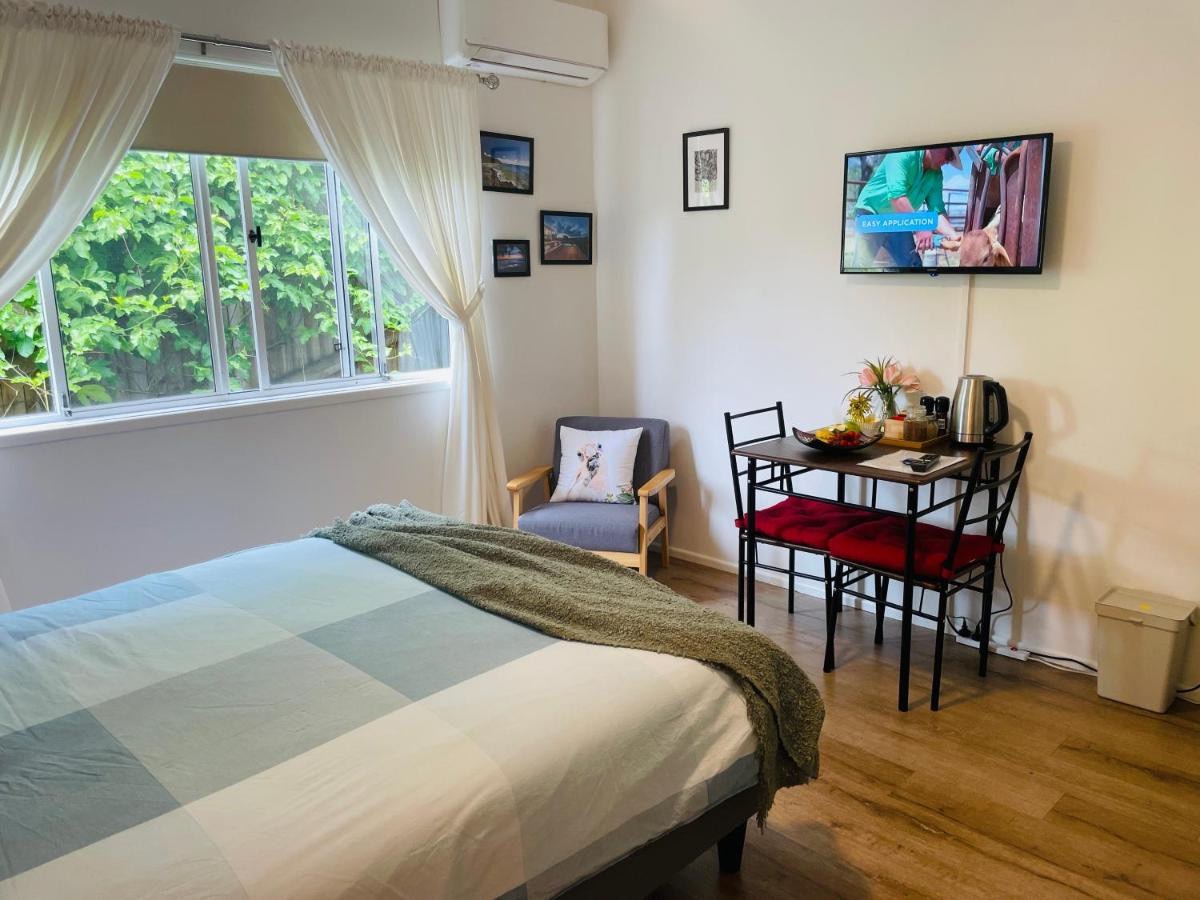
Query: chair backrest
{"type": "Point", "coordinates": [763, 424]}
{"type": "Point", "coordinates": [654, 446]}
{"type": "Point", "coordinates": [986, 475]}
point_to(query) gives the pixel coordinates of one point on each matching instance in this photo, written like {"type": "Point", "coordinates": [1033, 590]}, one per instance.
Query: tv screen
{"type": "Point", "coordinates": [967, 206]}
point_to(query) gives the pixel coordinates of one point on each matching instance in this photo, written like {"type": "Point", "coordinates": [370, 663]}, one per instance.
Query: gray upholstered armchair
{"type": "Point", "coordinates": [622, 532]}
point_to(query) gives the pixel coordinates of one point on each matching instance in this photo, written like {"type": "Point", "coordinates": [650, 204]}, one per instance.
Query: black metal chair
{"type": "Point", "coordinates": [794, 524]}
{"type": "Point", "coordinates": [945, 560]}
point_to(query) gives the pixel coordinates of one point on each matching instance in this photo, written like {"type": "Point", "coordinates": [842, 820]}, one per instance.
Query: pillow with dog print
{"type": "Point", "coordinates": [596, 466]}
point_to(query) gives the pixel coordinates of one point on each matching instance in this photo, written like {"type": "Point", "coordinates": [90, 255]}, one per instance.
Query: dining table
{"type": "Point", "coordinates": [774, 464]}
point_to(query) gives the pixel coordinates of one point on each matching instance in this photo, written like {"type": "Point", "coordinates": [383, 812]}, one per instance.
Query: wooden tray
{"type": "Point", "coordinates": [915, 445]}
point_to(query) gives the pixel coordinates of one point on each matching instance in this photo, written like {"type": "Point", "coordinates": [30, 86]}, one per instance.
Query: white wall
{"type": "Point", "coordinates": [704, 312]}
{"type": "Point", "coordinates": [542, 328]}
{"type": "Point", "coordinates": [80, 514]}
{"type": "Point", "coordinates": [84, 513]}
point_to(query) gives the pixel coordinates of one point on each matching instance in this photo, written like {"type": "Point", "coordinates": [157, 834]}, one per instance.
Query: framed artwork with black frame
{"type": "Point", "coordinates": [510, 258]}
{"type": "Point", "coordinates": [507, 162]}
{"type": "Point", "coordinates": [566, 238]}
{"type": "Point", "coordinates": [706, 169]}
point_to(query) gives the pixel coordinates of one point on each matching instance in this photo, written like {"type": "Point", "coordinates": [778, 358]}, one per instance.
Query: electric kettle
{"type": "Point", "coordinates": [979, 410]}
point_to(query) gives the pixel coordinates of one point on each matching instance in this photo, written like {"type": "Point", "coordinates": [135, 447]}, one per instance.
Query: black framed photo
{"type": "Point", "coordinates": [566, 238]}
{"type": "Point", "coordinates": [510, 258]}
{"type": "Point", "coordinates": [507, 162]}
{"type": "Point", "coordinates": [706, 169]}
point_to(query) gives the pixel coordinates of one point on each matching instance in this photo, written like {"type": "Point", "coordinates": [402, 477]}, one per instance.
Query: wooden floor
{"type": "Point", "coordinates": [1025, 784]}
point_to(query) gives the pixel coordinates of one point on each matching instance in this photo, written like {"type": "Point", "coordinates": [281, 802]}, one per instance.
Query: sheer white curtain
{"type": "Point", "coordinates": [74, 90]}
{"type": "Point", "coordinates": [404, 137]}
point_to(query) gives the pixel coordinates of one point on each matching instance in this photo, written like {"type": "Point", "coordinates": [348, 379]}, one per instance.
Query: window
{"type": "Point", "coordinates": [202, 279]}
{"type": "Point", "coordinates": [128, 290]}
{"type": "Point", "coordinates": [24, 374]}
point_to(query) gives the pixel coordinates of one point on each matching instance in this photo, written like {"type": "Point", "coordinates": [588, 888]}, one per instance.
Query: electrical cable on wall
{"type": "Point", "coordinates": [965, 322]}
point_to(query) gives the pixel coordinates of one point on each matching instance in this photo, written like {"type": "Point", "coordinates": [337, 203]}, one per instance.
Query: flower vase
{"type": "Point", "coordinates": [887, 407]}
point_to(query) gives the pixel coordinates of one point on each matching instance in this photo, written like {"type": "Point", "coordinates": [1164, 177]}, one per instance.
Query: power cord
{"type": "Point", "coordinates": [1047, 659]}
{"type": "Point", "coordinates": [973, 633]}
{"type": "Point", "coordinates": [1069, 659]}
{"type": "Point", "coordinates": [1007, 590]}
{"type": "Point", "coordinates": [962, 630]}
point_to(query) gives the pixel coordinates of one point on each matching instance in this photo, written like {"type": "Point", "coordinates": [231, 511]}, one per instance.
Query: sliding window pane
{"type": "Point", "coordinates": [229, 245]}
{"type": "Point", "coordinates": [130, 298]}
{"type": "Point", "coordinates": [356, 253]}
{"type": "Point", "coordinates": [24, 373]}
{"type": "Point", "coordinates": [417, 338]}
{"type": "Point", "coordinates": [295, 270]}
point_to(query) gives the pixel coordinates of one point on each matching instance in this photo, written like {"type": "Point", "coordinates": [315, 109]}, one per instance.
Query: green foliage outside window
{"type": "Point", "coordinates": [131, 301]}
{"type": "Point", "coordinates": [24, 373]}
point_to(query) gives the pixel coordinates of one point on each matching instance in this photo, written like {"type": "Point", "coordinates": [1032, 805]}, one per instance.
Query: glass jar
{"type": "Point", "coordinates": [919, 427]}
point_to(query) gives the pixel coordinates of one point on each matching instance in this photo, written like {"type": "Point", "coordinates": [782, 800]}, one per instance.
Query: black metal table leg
{"type": "Point", "coordinates": [989, 578]}
{"type": "Point", "coordinates": [910, 553]}
{"type": "Point", "coordinates": [880, 610]}
{"type": "Point", "coordinates": [741, 576]}
{"type": "Point", "coordinates": [791, 581]}
{"type": "Point", "coordinates": [838, 597]}
{"type": "Point", "coordinates": [751, 539]}
{"type": "Point", "coordinates": [985, 618]}
{"type": "Point", "coordinates": [830, 617]}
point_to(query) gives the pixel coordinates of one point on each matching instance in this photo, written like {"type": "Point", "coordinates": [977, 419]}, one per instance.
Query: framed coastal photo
{"type": "Point", "coordinates": [507, 162]}
{"type": "Point", "coordinates": [706, 170]}
{"type": "Point", "coordinates": [566, 238]}
{"type": "Point", "coordinates": [510, 258]}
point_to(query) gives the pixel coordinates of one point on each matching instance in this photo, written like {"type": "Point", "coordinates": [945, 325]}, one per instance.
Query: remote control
{"type": "Point", "coordinates": [921, 463]}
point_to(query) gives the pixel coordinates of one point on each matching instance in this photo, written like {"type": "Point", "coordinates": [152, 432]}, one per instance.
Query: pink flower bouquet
{"type": "Point", "coordinates": [885, 378]}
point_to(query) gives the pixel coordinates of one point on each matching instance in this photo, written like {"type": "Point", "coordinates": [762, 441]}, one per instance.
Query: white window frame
{"type": "Point", "coordinates": [62, 410]}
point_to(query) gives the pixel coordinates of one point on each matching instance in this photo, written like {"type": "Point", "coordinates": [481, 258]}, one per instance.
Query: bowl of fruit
{"type": "Point", "coordinates": [845, 437]}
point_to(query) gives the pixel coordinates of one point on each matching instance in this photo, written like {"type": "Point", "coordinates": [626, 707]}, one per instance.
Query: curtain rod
{"type": "Point", "coordinates": [490, 80]}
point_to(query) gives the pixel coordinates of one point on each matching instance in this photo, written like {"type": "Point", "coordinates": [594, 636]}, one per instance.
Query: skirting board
{"type": "Point", "coordinates": [781, 582]}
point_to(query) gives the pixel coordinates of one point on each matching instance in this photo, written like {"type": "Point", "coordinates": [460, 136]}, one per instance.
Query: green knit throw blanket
{"type": "Point", "coordinates": [574, 595]}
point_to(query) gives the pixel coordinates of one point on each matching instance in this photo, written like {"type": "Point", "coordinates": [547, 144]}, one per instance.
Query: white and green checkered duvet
{"type": "Point", "coordinates": [300, 721]}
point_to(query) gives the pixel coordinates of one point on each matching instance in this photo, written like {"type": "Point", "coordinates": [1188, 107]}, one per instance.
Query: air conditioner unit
{"type": "Point", "coordinates": [540, 39]}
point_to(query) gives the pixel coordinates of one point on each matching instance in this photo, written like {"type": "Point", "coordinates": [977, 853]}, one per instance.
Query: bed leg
{"type": "Point", "coordinates": [729, 850]}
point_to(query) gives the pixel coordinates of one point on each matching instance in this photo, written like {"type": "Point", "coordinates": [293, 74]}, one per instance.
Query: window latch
{"type": "Point", "coordinates": [255, 236]}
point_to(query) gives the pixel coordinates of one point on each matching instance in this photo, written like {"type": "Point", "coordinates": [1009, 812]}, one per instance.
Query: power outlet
{"type": "Point", "coordinates": [998, 649]}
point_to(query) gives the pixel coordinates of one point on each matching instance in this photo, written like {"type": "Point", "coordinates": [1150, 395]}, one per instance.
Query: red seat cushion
{"type": "Point", "coordinates": [881, 544]}
{"type": "Point", "coordinates": [809, 523]}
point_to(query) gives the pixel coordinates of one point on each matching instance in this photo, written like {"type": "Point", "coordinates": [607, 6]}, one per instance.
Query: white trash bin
{"type": "Point", "coordinates": [1140, 644]}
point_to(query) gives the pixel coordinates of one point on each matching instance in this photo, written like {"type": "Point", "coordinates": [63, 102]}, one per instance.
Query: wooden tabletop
{"type": "Point", "coordinates": [790, 451]}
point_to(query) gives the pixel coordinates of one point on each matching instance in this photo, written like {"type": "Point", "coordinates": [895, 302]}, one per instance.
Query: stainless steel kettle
{"type": "Point", "coordinates": [979, 410]}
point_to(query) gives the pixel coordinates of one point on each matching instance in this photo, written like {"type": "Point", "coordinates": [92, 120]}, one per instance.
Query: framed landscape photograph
{"type": "Point", "coordinates": [566, 238]}
{"type": "Point", "coordinates": [706, 170]}
{"type": "Point", "coordinates": [510, 258]}
{"type": "Point", "coordinates": [507, 162]}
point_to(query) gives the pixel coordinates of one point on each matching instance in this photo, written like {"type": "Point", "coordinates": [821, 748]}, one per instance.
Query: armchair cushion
{"type": "Point", "coordinates": [596, 466]}
{"type": "Point", "coordinates": [654, 447]}
{"type": "Point", "coordinates": [589, 526]}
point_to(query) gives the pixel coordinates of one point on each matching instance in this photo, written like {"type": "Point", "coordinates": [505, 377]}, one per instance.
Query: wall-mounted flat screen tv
{"type": "Point", "coordinates": [965, 206]}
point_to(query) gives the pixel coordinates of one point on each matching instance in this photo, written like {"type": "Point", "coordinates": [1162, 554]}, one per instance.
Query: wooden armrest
{"type": "Point", "coordinates": [529, 479]}
{"type": "Point", "coordinates": [657, 483]}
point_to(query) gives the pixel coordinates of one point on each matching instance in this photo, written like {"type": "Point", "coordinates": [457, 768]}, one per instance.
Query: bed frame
{"type": "Point", "coordinates": [639, 873]}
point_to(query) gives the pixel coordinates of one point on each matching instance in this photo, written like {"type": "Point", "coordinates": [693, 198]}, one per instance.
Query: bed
{"type": "Point", "coordinates": [299, 720]}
